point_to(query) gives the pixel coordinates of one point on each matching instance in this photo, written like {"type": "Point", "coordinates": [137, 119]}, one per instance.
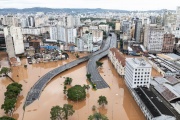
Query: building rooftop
{"type": "Point", "coordinates": [118, 55]}
{"type": "Point", "coordinates": [155, 106]}
{"type": "Point", "coordinates": [138, 62]}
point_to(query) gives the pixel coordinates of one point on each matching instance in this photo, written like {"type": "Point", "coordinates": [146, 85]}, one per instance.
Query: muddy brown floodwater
{"type": "Point", "coordinates": [121, 105]}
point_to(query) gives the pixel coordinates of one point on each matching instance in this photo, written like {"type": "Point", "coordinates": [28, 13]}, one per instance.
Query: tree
{"type": "Point", "coordinates": [88, 76]}
{"type": "Point", "coordinates": [68, 81]}
{"type": "Point", "coordinates": [65, 90]}
{"type": "Point", "coordinates": [97, 116]}
{"type": "Point", "coordinates": [98, 63]}
{"type": "Point", "coordinates": [6, 118]}
{"type": "Point", "coordinates": [61, 113]}
{"type": "Point", "coordinates": [76, 93]}
{"type": "Point", "coordinates": [5, 71]}
{"type": "Point", "coordinates": [9, 105]}
{"type": "Point", "coordinates": [57, 113]}
{"type": "Point", "coordinates": [68, 110]}
{"type": "Point", "coordinates": [102, 100]}
{"type": "Point", "coordinates": [15, 88]}
{"type": "Point", "coordinates": [86, 87]}
{"type": "Point", "coordinates": [11, 94]}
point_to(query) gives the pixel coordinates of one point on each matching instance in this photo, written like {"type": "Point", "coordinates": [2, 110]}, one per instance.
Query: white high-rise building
{"type": "Point", "coordinates": [137, 73]}
{"type": "Point", "coordinates": [97, 35]}
{"type": "Point", "coordinates": [11, 20]}
{"type": "Point", "coordinates": [31, 21]}
{"type": "Point", "coordinates": [53, 33]}
{"type": "Point", "coordinates": [178, 16]}
{"type": "Point", "coordinates": [62, 33]}
{"type": "Point", "coordinates": [153, 38]}
{"type": "Point", "coordinates": [24, 22]}
{"type": "Point", "coordinates": [71, 35]}
{"type": "Point", "coordinates": [80, 44]}
{"type": "Point", "coordinates": [105, 28]}
{"type": "Point", "coordinates": [17, 36]}
{"type": "Point", "coordinates": [68, 21]}
{"type": "Point", "coordinates": [89, 39]}
{"type": "Point", "coordinates": [77, 21]}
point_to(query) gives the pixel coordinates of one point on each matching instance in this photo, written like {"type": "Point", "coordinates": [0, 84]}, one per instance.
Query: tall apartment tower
{"type": "Point", "coordinates": [13, 35]}
{"type": "Point", "coordinates": [31, 21]}
{"type": "Point", "coordinates": [137, 73]}
{"type": "Point", "coordinates": [168, 43]}
{"type": "Point", "coordinates": [153, 38]}
{"type": "Point", "coordinates": [178, 16]}
{"type": "Point", "coordinates": [53, 33]}
{"type": "Point", "coordinates": [137, 33]}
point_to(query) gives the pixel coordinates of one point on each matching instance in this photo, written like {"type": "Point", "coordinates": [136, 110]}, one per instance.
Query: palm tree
{"type": "Point", "coordinates": [102, 100]}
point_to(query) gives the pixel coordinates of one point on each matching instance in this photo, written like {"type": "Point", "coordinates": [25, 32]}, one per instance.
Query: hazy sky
{"type": "Point", "coordinates": [108, 4]}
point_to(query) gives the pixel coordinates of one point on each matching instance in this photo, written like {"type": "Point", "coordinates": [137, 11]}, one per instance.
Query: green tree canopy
{"type": "Point", "coordinates": [9, 105]}
{"type": "Point", "coordinates": [68, 110]}
{"type": "Point", "coordinates": [6, 118]}
{"type": "Point", "coordinates": [61, 113]}
{"type": "Point", "coordinates": [5, 70]}
{"type": "Point", "coordinates": [98, 63]}
{"type": "Point", "coordinates": [68, 81]}
{"type": "Point", "coordinates": [97, 116]}
{"type": "Point", "coordinates": [57, 113]}
{"type": "Point", "coordinates": [102, 100]}
{"type": "Point", "coordinates": [76, 93]}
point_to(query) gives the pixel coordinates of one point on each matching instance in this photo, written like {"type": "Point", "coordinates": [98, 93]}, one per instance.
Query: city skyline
{"type": "Point", "coordinates": [141, 5]}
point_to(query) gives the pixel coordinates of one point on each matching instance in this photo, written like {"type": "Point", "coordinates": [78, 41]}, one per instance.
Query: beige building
{"type": "Point", "coordinates": [104, 28]}
{"type": "Point", "coordinates": [97, 35]}
{"type": "Point", "coordinates": [117, 26]}
{"type": "Point", "coordinates": [118, 60]}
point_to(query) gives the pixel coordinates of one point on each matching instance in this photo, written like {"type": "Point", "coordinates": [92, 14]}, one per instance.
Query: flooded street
{"type": "Point", "coordinates": [121, 106]}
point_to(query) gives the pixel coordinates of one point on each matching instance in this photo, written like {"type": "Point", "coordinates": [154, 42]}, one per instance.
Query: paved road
{"type": "Point", "coordinates": [91, 66]}
{"type": "Point", "coordinates": [38, 87]}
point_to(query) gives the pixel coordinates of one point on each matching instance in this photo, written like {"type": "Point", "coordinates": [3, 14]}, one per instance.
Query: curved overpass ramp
{"type": "Point", "coordinates": [92, 68]}
{"type": "Point", "coordinates": [38, 87]}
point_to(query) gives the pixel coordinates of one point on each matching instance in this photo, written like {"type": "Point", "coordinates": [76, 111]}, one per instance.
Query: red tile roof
{"type": "Point", "coordinates": [118, 56]}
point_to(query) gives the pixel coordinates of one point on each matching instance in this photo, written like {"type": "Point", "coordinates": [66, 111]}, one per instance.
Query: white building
{"type": "Point", "coordinates": [31, 31]}
{"type": "Point", "coordinates": [17, 36]}
{"type": "Point", "coordinates": [80, 44]}
{"type": "Point", "coordinates": [118, 60]}
{"type": "Point", "coordinates": [71, 35]}
{"type": "Point", "coordinates": [153, 38]}
{"type": "Point", "coordinates": [104, 28]}
{"type": "Point", "coordinates": [93, 27]}
{"type": "Point", "coordinates": [178, 16]}
{"type": "Point", "coordinates": [62, 33]}
{"type": "Point", "coordinates": [77, 21]}
{"type": "Point", "coordinates": [97, 35]}
{"type": "Point", "coordinates": [24, 22]}
{"type": "Point", "coordinates": [53, 33]}
{"type": "Point", "coordinates": [89, 39]}
{"type": "Point", "coordinates": [10, 20]}
{"type": "Point", "coordinates": [176, 32]}
{"type": "Point", "coordinates": [137, 73]}
{"type": "Point", "coordinates": [68, 21]}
